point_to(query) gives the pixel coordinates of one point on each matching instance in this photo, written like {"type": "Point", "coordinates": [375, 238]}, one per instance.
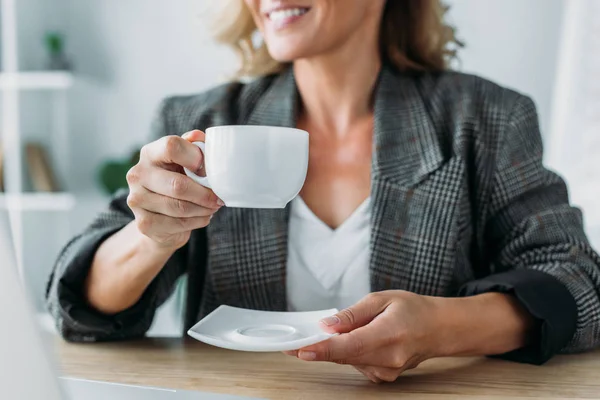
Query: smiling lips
{"type": "Point", "coordinates": [282, 17]}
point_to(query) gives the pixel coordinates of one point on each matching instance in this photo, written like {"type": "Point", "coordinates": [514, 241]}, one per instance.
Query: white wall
{"type": "Point", "coordinates": [514, 43]}
{"type": "Point", "coordinates": [130, 54]}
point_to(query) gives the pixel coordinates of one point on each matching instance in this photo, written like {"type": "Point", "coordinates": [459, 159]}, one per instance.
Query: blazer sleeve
{"type": "Point", "coordinates": [74, 318]}
{"type": "Point", "coordinates": [537, 245]}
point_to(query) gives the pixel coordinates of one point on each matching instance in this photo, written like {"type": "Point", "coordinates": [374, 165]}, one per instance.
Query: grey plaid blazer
{"type": "Point", "coordinates": [461, 205]}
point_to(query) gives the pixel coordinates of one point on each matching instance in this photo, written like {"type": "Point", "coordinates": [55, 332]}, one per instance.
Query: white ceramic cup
{"type": "Point", "coordinates": [254, 166]}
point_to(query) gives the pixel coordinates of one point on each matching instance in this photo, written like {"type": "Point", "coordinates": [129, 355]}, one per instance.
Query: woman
{"type": "Point", "coordinates": [468, 244]}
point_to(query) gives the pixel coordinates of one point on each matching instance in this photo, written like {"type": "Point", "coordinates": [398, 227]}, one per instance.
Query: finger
{"type": "Point", "coordinates": [151, 224]}
{"type": "Point", "coordinates": [194, 136]}
{"type": "Point", "coordinates": [356, 316]}
{"type": "Point", "coordinates": [345, 346]}
{"type": "Point", "coordinates": [168, 206]}
{"type": "Point", "coordinates": [368, 373]}
{"type": "Point", "coordinates": [174, 150]}
{"type": "Point", "coordinates": [177, 186]}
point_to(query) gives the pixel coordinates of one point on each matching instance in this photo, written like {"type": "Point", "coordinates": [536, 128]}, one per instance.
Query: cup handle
{"type": "Point", "coordinates": [199, 179]}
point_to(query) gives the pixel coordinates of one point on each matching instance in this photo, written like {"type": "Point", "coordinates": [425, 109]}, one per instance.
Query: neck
{"type": "Point", "coordinates": [336, 88]}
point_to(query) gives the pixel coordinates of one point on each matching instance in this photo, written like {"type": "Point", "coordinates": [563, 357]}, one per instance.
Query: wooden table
{"type": "Point", "coordinates": [187, 364]}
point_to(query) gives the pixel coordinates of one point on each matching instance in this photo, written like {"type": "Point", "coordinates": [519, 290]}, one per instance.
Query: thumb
{"type": "Point", "coordinates": [356, 316]}
{"type": "Point", "coordinates": [194, 136]}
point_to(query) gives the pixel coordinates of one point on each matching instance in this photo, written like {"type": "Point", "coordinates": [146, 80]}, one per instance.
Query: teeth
{"type": "Point", "coordinates": [287, 13]}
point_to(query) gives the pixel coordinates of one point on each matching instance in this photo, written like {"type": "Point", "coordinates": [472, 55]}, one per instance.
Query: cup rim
{"type": "Point", "coordinates": [251, 128]}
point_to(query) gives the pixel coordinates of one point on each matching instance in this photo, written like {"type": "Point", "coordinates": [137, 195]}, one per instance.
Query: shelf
{"type": "Point", "coordinates": [37, 201]}
{"type": "Point", "coordinates": [43, 80]}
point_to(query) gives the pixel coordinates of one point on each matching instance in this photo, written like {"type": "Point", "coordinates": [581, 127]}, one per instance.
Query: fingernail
{"type": "Point", "coordinates": [220, 202]}
{"type": "Point", "coordinates": [330, 321]}
{"type": "Point", "coordinates": [293, 353]}
{"type": "Point", "coordinates": [307, 355]}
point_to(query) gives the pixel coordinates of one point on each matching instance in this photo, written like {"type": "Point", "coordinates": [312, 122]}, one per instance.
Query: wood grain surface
{"type": "Point", "coordinates": [187, 364]}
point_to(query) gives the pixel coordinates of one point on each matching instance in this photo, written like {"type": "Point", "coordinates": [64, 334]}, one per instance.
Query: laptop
{"type": "Point", "coordinates": [27, 370]}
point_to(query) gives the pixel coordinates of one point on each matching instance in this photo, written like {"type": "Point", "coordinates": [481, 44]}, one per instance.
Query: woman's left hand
{"type": "Point", "coordinates": [382, 336]}
{"type": "Point", "coordinates": [388, 332]}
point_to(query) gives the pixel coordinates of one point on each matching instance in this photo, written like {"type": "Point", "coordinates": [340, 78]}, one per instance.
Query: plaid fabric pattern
{"type": "Point", "coordinates": [459, 194]}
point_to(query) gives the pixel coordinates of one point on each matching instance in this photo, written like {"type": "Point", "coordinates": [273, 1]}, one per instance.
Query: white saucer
{"type": "Point", "coordinates": [251, 330]}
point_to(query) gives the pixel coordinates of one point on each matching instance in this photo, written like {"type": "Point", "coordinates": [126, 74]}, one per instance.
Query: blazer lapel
{"type": "Point", "coordinates": [278, 105]}
{"type": "Point", "coordinates": [406, 151]}
{"type": "Point", "coordinates": [257, 279]}
{"type": "Point", "coordinates": [407, 148]}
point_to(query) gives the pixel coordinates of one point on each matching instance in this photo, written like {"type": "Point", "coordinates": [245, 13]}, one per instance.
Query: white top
{"type": "Point", "coordinates": [327, 268]}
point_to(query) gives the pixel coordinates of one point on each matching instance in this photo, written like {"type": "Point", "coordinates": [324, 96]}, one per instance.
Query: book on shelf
{"type": "Point", "coordinates": [41, 173]}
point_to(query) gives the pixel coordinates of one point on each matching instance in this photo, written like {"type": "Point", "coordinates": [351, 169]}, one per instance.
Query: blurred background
{"type": "Point", "coordinates": [81, 80]}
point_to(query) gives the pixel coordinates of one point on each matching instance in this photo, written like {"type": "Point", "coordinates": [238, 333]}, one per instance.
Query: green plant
{"type": "Point", "coordinates": [112, 173]}
{"type": "Point", "coordinates": [55, 42]}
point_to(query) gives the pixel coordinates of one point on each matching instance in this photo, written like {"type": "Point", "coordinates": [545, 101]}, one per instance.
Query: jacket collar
{"type": "Point", "coordinates": [406, 147]}
{"type": "Point", "coordinates": [278, 106]}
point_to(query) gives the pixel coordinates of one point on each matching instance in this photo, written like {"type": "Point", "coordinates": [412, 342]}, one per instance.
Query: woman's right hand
{"type": "Point", "coordinates": [166, 203]}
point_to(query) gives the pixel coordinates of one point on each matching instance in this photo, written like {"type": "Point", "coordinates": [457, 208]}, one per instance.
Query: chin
{"type": "Point", "coordinates": [284, 56]}
{"type": "Point", "coordinates": [287, 51]}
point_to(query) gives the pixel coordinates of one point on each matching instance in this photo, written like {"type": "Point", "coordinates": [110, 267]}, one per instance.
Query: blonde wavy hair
{"type": "Point", "coordinates": [414, 37]}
